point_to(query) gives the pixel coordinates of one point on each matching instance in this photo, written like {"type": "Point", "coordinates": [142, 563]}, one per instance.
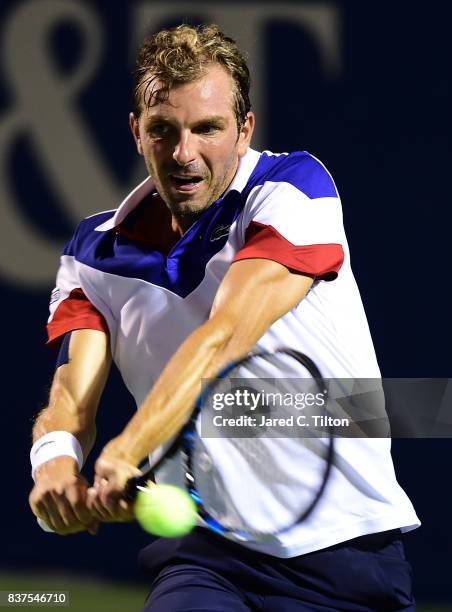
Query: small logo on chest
{"type": "Point", "coordinates": [219, 232]}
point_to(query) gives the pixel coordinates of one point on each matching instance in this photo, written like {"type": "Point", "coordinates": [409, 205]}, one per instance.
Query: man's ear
{"type": "Point", "coordinates": [135, 129]}
{"type": "Point", "coordinates": [246, 133]}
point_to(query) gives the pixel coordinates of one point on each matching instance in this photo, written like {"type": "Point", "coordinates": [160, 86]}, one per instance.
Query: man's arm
{"type": "Point", "coordinates": [60, 493]}
{"type": "Point", "coordinates": [253, 294]}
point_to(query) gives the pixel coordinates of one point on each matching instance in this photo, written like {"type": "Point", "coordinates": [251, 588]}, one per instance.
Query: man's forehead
{"type": "Point", "coordinates": [213, 90]}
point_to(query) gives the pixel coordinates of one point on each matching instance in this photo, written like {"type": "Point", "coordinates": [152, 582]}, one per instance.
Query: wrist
{"type": "Point", "coordinates": [52, 445]}
{"type": "Point", "coordinates": [56, 468]}
{"type": "Point", "coordinates": [121, 448]}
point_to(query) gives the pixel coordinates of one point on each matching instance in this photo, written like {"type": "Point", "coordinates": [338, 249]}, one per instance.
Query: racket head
{"type": "Point", "coordinates": [249, 481]}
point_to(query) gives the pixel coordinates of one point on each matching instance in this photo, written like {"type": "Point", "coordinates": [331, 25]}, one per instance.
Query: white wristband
{"type": "Point", "coordinates": [55, 444]}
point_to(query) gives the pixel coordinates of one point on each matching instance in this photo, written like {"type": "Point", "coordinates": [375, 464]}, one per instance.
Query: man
{"type": "Point", "coordinates": [224, 248]}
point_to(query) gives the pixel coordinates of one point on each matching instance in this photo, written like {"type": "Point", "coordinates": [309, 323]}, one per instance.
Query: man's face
{"type": "Point", "coordinates": [191, 143]}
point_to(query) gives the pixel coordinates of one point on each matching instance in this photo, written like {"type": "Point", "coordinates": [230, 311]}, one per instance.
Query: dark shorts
{"type": "Point", "coordinates": [203, 571]}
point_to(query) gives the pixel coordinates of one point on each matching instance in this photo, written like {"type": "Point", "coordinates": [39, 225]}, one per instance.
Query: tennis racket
{"type": "Point", "coordinates": [255, 455]}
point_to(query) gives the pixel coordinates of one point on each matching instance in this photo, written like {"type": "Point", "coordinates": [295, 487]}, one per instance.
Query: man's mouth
{"type": "Point", "coordinates": [185, 182]}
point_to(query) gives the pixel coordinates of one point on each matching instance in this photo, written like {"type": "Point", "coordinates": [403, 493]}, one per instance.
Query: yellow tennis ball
{"type": "Point", "coordinates": [165, 510]}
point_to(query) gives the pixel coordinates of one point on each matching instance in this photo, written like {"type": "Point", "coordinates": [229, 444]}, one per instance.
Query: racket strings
{"type": "Point", "coordinates": [255, 479]}
{"type": "Point", "coordinates": [252, 490]}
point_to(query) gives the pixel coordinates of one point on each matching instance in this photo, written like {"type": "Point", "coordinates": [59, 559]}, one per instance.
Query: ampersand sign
{"type": "Point", "coordinates": [43, 109]}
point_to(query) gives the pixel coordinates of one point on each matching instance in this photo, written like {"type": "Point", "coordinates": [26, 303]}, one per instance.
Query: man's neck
{"type": "Point", "coordinates": [181, 222]}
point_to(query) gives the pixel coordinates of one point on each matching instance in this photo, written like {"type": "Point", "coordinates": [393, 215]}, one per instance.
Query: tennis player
{"type": "Point", "coordinates": [220, 249]}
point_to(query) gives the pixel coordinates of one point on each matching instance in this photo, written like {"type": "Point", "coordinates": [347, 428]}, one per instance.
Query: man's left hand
{"type": "Point", "coordinates": [106, 499]}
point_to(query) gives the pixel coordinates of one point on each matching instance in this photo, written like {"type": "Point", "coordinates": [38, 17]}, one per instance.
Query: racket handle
{"type": "Point", "coordinates": [41, 522]}
{"type": "Point", "coordinates": [135, 484]}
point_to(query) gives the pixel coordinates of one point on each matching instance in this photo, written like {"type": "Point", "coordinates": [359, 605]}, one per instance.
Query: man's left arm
{"type": "Point", "coordinates": [253, 294]}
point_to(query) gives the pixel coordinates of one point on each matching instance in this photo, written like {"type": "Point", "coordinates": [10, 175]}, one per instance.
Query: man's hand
{"type": "Point", "coordinates": [106, 498]}
{"type": "Point", "coordinates": [60, 495]}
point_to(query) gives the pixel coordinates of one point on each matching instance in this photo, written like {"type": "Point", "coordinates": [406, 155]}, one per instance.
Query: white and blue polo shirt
{"type": "Point", "coordinates": [124, 273]}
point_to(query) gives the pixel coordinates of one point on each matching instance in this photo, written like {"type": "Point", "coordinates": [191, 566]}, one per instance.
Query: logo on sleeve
{"type": "Point", "coordinates": [219, 232]}
{"type": "Point", "coordinates": [55, 295]}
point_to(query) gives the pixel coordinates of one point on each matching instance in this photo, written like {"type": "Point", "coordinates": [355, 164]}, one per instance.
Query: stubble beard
{"type": "Point", "coordinates": [186, 212]}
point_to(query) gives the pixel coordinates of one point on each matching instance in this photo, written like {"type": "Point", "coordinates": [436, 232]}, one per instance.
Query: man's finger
{"type": "Point", "coordinates": [54, 519]}
{"type": "Point", "coordinates": [82, 513]}
{"type": "Point", "coordinates": [125, 510]}
{"type": "Point", "coordinates": [70, 521]}
{"type": "Point", "coordinates": [77, 496]}
{"type": "Point", "coordinates": [97, 509]}
{"type": "Point", "coordinates": [108, 495]}
{"type": "Point", "coordinates": [117, 509]}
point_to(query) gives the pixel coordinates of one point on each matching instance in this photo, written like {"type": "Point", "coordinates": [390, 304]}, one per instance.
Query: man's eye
{"type": "Point", "coordinates": [159, 130]}
{"type": "Point", "coordinates": [207, 129]}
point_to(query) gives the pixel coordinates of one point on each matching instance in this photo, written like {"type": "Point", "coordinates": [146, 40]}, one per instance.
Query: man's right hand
{"type": "Point", "coordinates": [59, 497]}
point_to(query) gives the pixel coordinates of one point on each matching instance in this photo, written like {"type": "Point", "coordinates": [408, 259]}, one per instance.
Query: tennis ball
{"type": "Point", "coordinates": [165, 510]}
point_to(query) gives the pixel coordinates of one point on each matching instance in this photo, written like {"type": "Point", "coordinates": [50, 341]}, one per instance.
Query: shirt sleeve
{"type": "Point", "coordinates": [70, 309]}
{"type": "Point", "coordinates": [303, 232]}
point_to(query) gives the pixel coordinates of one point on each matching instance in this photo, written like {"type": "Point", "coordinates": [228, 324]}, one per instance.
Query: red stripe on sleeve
{"type": "Point", "coordinates": [75, 312]}
{"type": "Point", "coordinates": [322, 261]}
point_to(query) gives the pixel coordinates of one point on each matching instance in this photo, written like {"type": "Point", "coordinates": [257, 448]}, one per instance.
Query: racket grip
{"type": "Point", "coordinates": [41, 522]}
{"type": "Point", "coordinates": [137, 482]}
{"type": "Point", "coordinates": [134, 484]}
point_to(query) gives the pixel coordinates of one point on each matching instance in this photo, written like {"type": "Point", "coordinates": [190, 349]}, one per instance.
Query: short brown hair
{"type": "Point", "coordinates": [182, 55]}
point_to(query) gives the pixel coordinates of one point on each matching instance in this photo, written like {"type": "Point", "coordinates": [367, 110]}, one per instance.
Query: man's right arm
{"type": "Point", "coordinates": [59, 496]}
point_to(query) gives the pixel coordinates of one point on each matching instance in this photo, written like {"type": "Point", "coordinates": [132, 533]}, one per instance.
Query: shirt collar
{"type": "Point", "coordinates": [246, 166]}
{"type": "Point", "coordinates": [128, 204]}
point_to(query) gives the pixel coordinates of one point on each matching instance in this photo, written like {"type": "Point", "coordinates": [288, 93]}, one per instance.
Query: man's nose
{"type": "Point", "coordinates": [184, 152]}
